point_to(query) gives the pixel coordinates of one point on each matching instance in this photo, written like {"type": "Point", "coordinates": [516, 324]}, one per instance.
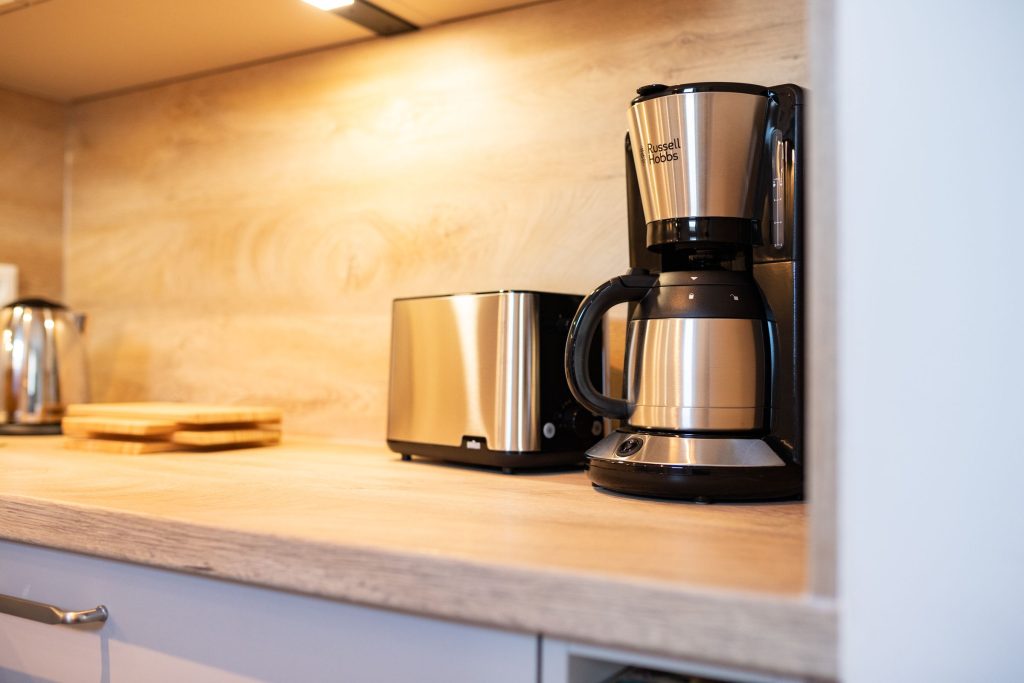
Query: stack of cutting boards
{"type": "Point", "coordinates": [154, 427]}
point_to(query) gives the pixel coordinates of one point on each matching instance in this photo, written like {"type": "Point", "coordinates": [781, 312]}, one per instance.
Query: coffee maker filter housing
{"type": "Point", "coordinates": [696, 153]}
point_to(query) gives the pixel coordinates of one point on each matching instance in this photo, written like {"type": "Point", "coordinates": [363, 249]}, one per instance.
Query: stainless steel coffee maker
{"type": "Point", "coordinates": [713, 367]}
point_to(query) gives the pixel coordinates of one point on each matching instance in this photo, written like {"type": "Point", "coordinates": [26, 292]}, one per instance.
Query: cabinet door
{"type": "Point", "coordinates": [167, 626]}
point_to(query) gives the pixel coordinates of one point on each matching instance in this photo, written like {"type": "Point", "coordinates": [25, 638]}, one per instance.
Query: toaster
{"type": "Point", "coordinates": [480, 379]}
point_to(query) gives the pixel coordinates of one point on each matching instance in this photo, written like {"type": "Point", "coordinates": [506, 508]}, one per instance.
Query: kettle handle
{"type": "Point", "coordinates": [618, 290]}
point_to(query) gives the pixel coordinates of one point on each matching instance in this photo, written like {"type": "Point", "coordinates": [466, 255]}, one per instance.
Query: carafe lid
{"type": "Point", "coordinates": [704, 294]}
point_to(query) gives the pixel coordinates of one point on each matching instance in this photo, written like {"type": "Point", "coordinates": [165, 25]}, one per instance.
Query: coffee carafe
{"type": "Point", "coordinates": [712, 375]}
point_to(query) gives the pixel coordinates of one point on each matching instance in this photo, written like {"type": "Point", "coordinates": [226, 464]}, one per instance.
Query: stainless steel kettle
{"type": "Point", "coordinates": [42, 365]}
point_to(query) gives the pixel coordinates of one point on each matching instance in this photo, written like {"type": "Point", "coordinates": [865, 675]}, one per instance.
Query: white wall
{"type": "Point", "coordinates": [930, 159]}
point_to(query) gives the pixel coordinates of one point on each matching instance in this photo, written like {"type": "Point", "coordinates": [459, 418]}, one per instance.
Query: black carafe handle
{"type": "Point", "coordinates": [618, 290]}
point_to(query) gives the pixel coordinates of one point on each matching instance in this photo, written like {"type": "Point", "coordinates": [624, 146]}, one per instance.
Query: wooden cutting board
{"type": "Point", "coordinates": [187, 413]}
{"type": "Point", "coordinates": [123, 426]}
{"type": "Point", "coordinates": [126, 447]}
{"type": "Point", "coordinates": [134, 428]}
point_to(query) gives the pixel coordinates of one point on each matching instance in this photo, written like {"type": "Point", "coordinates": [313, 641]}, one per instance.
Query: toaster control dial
{"type": "Point", "coordinates": [576, 420]}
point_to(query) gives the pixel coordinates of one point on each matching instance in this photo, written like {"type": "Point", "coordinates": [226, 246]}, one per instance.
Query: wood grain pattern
{"type": "Point", "coordinates": [153, 427]}
{"type": "Point", "coordinates": [107, 442]}
{"type": "Point", "coordinates": [180, 413]}
{"type": "Point", "coordinates": [239, 238]}
{"type": "Point", "coordinates": [226, 437]}
{"type": "Point", "coordinates": [538, 553]}
{"type": "Point", "coordinates": [121, 446]}
{"type": "Point", "coordinates": [31, 189]}
{"type": "Point", "coordinates": [82, 426]}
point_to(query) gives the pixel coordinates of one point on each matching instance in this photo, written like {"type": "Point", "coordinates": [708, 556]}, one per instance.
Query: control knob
{"type": "Point", "coordinates": [576, 420]}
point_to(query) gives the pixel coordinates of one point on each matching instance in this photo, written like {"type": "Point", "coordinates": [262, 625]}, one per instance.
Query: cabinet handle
{"type": "Point", "coordinates": [48, 614]}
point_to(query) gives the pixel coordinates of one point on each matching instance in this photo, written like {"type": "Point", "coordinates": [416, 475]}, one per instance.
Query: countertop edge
{"type": "Point", "coordinates": [779, 634]}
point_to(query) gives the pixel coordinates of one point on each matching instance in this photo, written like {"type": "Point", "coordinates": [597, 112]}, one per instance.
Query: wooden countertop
{"type": "Point", "coordinates": [543, 553]}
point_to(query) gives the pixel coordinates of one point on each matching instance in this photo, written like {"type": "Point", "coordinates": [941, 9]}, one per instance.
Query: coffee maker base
{"type": "Point", "coordinates": [703, 469]}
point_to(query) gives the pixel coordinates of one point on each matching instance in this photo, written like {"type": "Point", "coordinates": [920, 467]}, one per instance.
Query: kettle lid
{"type": "Point", "coordinates": [37, 302]}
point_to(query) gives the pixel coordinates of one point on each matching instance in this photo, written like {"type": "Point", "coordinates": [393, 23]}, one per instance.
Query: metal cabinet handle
{"type": "Point", "coordinates": [48, 614]}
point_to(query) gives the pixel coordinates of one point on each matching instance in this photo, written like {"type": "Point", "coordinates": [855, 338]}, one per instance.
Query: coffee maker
{"type": "Point", "coordinates": [714, 352]}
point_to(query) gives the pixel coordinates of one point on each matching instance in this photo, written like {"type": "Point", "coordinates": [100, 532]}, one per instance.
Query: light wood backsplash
{"type": "Point", "coordinates": [240, 237]}
{"type": "Point", "coordinates": [31, 172]}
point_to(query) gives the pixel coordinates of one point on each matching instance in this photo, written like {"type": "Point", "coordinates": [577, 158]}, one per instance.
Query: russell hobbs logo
{"type": "Point", "coordinates": [657, 154]}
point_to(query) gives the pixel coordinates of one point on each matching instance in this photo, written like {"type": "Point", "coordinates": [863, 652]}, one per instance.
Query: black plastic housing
{"type": "Point", "coordinates": [701, 484]}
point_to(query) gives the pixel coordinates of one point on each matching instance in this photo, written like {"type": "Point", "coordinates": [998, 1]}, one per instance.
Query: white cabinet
{"type": "Point", "coordinates": [924, 101]}
{"type": "Point", "coordinates": [567, 662]}
{"type": "Point", "coordinates": [167, 626]}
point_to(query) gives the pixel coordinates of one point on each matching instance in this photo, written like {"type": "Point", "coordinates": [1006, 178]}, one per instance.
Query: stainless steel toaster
{"type": "Point", "coordinates": [479, 378]}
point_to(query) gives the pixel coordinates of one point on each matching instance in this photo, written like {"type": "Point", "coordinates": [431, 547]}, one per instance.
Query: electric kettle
{"type": "Point", "coordinates": [42, 365]}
